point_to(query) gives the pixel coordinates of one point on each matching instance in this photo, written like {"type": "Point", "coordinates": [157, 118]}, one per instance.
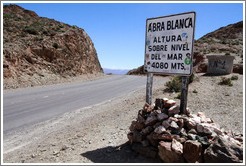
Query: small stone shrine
{"type": "Point", "coordinates": [161, 131]}
{"type": "Point", "coordinates": [220, 64]}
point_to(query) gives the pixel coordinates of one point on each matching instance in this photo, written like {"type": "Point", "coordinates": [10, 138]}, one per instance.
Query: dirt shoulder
{"type": "Point", "coordinates": [99, 133]}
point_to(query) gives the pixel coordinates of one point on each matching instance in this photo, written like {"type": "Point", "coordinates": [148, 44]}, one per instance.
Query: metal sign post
{"type": "Point", "coordinates": [169, 44]}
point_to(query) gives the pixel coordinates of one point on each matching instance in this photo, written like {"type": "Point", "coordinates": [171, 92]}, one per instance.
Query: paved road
{"type": "Point", "coordinates": [30, 106]}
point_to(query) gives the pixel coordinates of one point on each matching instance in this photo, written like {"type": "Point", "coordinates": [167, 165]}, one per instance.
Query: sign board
{"type": "Point", "coordinates": [169, 44]}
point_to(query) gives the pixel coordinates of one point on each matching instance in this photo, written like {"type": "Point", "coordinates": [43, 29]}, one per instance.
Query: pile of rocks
{"type": "Point", "coordinates": [160, 130]}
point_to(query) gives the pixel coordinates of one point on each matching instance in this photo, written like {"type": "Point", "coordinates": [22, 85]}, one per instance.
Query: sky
{"type": "Point", "coordinates": [118, 29]}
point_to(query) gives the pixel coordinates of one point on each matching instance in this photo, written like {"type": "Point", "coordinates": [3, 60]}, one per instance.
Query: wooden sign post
{"type": "Point", "coordinates": [184, 93]}
{"type": "Point", "coordinates": [149, 88]}
{"type": "Point", "coordinates": [169, 44]}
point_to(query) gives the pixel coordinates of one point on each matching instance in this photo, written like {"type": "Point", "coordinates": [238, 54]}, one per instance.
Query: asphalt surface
{"type": "Point", "coordinates": [33, 105]}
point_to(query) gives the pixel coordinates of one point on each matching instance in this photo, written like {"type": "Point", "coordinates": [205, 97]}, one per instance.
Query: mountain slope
{"type": "Point", "coordinates": [39, 50]}
{"type": "Point", "coordinates": [228, 39]}
{"type": "Point", "coordinates": [137, 71]}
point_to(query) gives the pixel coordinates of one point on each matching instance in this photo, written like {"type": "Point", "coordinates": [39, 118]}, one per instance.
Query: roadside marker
{"type": "Point", "coordinates": [169, 44]}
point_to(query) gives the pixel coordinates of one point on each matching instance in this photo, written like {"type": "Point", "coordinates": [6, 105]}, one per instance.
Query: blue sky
{"type": "Point", "coordinates": [118, 29]}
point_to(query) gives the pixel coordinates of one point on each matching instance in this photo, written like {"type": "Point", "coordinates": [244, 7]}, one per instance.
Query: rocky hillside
{"type": "Point", "coordinates": [38, 50]}
{"type": "Point", "coordinates": [226, 40]}
{"type": "Point", "coordinates": [137, 71]}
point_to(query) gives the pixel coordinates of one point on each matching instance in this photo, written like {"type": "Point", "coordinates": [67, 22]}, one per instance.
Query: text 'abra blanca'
{"type": "Point", "coordinates": [171, 25]}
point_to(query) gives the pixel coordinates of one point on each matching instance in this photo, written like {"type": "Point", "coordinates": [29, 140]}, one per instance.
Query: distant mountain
{"type": "Point", "coordinates": [115, 71]}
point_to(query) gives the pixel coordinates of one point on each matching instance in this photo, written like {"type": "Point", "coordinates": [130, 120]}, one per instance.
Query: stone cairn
{"type": "Point", "coordinates": [160, 131]}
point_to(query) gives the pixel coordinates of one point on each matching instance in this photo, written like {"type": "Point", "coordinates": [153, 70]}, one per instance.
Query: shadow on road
{"type": "Point", "coordinates": [119, 154]}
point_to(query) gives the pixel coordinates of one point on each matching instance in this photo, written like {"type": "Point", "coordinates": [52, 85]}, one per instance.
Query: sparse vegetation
{"type": "Point", "coordinates": [175, 84]}
{"type": "Point", "coordinates": [234, 77]}
{"type": "Point", "coordinates": [195, 91]}
{"type": "Point", "coordinates": [52, 33]}
{"type": "Point", "coordinates": [206, 40]}
{"type": "Point", "coordinates": [61, 26]}
{"type": "Point", "coordinates": [191, 78]}
{"type": "Point", "coordinates": [223, 42]}
{"type": "Point", "coordinates": [45, 32]}
{"type": "Point", "coordinates": [225, 81]}
{"type": "Point", "coordinates": [55, 45]}
{"type": "Point", "coordinates": [9, 16]}
{"type": "Point", "coordinates": [31, 31]}
{"type": "Point", "coordinates": [227, 53]}
{"type": "Point", "coordinates": [38, 38]}
{"type": "Point", "coordinates": [6, 40]}
{"type": "Point", "coordinates": [235, 42]}
{"type": "Point", "coordinates": [22, 34]}
{"type": "Point", "coordinates": [178, 96]}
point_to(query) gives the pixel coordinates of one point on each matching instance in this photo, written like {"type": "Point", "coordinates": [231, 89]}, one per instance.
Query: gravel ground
{"type": "Point", "coordinates": [222, 103]}
{"type": "Point", "coordinates": [98, 133]}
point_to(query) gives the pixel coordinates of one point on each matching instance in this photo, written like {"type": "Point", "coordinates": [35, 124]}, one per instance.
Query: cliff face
{"type": "Point", "coordinates": [37, 50]}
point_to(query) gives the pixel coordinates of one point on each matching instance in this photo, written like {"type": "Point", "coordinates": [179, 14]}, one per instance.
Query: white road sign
{"type": "Point", "coordinates": [169, 44]}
